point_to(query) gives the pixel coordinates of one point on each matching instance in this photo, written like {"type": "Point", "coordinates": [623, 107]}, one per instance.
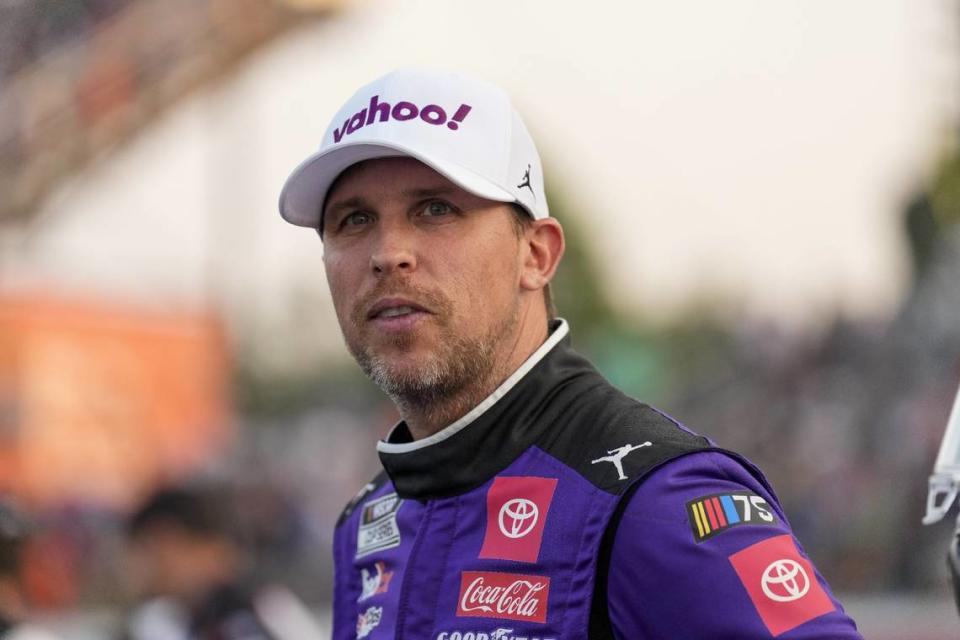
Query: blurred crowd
{"type": "Point", "coordinates": [184, 564]}
{"type": "Point", "coordinates": [847, 425]}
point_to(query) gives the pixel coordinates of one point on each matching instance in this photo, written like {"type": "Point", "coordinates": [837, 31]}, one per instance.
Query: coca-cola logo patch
{"type": "Point", "coordinates": [516, 515]}
{"type": "Point", "coordinates": [504, 596]}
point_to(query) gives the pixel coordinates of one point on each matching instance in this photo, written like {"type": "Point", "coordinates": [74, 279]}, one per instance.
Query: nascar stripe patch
{"type": "Point", "coordinates": [719, 512]}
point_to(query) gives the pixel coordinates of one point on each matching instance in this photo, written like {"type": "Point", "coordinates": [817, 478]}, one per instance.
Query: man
{"type": "Point", "coordinates": [523, 496]}
{"type": "Point", "coordinates": [189, 567]}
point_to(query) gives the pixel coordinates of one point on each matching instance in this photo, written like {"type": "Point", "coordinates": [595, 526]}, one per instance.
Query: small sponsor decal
{"type": "Point", "coordinates": [378, 525]}
{"type": "Point", "coordinates": [505, 596]}
{"type": "Point", "coordinates": [501, 633]}
{"type": "Point", "coordinates": [374, 582]}
{"type": "Point", "coordinates": [368, 621]}
{"type": "Point", "coordinates": [516, 515]}
{"type": "Point", "coordinates": [716, 513]}
{"type": "Point", "coordinates": [781, 583]}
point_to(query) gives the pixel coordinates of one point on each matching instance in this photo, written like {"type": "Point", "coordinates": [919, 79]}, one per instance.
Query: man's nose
{"type": "Point", "coordinates": [395, 252]}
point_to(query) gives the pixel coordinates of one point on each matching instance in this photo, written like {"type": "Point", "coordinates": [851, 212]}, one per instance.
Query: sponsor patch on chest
{"type": "Point", "coordinates": [504, 596]}
{"type": "Point", "coordinates": [716, 513]}
{"type": "Point", "coordinates": [368, 621]}
{"type": "Point", "coordinates": [517, 510]}
{"type": "Point", "coordinates": [378, 525]}
{"type": "Point", "coordinates": [375, 581]}
{"type": "Point", "coordinates": [500, 633]}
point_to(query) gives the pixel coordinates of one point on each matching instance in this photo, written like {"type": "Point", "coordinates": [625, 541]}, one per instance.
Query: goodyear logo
{"type": "Point", "coordinates": [714, 514]}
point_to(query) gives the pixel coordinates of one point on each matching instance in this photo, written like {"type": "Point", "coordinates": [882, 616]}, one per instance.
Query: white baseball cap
{"type": "Point", "coordinates": [464, 128]}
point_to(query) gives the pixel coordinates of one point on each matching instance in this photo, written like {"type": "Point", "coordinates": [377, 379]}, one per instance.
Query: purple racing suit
{"type": "Point", "coordinates": [561, 509]}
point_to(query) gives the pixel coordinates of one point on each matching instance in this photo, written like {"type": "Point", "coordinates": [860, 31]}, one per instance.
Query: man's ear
{"type": "Point", "coordinates": [544, 245]}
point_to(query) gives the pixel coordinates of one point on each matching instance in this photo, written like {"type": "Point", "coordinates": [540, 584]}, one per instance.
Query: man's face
{"type": "Point", "coordinates": [424, 277]}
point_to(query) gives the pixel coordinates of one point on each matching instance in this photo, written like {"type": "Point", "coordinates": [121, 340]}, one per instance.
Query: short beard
{"type": "Point", "coordinates": [455, 377]}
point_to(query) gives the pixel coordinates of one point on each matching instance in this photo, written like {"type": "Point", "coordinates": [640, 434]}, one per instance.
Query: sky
{"type": "Point", "coordinates": [752, 152]}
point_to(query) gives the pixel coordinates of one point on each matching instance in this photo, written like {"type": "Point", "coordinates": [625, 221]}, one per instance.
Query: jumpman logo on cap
{"type": "Point", "coordinates": [526, 181]}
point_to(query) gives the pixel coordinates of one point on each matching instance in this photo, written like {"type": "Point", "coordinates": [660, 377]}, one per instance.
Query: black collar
{"type": "Point", "coordinates": [487, 439]}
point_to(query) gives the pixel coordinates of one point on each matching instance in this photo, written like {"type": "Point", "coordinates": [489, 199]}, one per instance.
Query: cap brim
{"type": "Point", "coordinates": [304, 192]}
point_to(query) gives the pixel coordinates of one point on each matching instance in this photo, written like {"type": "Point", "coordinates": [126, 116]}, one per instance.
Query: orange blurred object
{"type": "Point", "coordinates": [49, 573]}
{"type": "Point", "coordinates": [99, 402]}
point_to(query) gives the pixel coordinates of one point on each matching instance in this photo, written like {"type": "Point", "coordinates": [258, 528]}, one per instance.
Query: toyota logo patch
{"type": "Point", "coordinates": [518, 517]}
{"type": "Point", "coordinates": [781, 583]}
{"type": "Point", "coordinates": [518, 510]}
{"type": "Point", "coordinates": [784, 581]}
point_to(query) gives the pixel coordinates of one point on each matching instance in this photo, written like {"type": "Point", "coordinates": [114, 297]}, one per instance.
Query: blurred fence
{"type": "Point", "coordinates": [79, 76]}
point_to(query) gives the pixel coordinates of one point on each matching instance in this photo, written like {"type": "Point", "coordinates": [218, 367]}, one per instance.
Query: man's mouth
{"type": "Point", "coordinates": [394, 312]}
{"type": "Point", "coordinates": [395, 308]}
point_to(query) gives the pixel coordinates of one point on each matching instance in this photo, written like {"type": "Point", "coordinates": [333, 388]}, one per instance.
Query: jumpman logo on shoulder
{"type": "Point", "coordinates": [526, 181]}
{"type": "Point", "coordinates": [617, 455]}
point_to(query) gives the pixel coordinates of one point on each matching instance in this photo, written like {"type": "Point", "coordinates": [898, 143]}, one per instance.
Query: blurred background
{"type": "Point", "coordinates": [762, 202]}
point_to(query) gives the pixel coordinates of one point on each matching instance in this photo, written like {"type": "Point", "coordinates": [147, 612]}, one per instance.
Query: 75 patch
{"type": "Point", "coordinates": [719, 512]}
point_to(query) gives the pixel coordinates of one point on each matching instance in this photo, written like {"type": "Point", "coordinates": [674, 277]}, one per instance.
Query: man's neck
{"type": "Point", "coordinates": [424, 421]}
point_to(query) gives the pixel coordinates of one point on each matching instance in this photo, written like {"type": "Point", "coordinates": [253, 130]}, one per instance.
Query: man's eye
{"type": "Point", "coordinates": [356, 218]}
{"type": "Point", "coordinates": [437, 208]}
